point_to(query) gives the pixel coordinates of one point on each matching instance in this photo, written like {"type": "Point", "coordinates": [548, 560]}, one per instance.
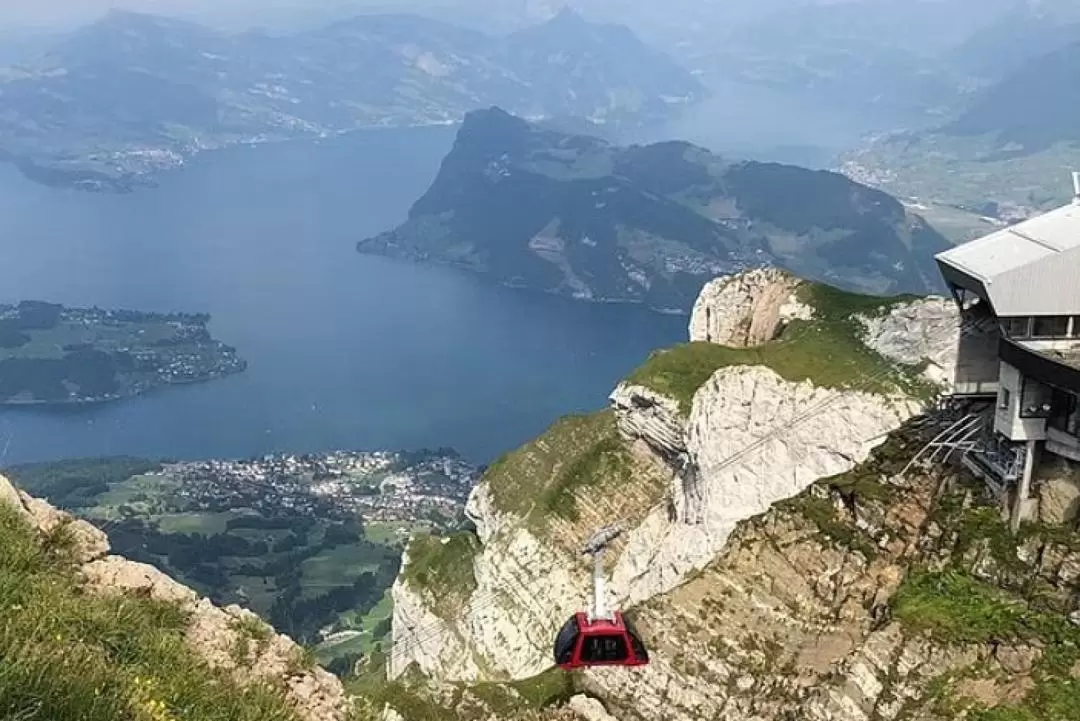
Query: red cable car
{"type": "Point", "coordinates": [599, 638]}
{"type": "Point", "coordinates": [582, 643]}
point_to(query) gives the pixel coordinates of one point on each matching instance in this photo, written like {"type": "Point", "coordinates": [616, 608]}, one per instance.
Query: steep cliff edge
{"type": "Point", "coordinates": [93, 636]}
{"type": "Point", "coordinates": [870, 596]}
{"type": "Point", "coordinates": [698, 440]}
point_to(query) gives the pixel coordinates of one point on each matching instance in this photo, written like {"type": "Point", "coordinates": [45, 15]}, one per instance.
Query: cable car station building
{"type": "Point", "coordinates": [1020, 287]}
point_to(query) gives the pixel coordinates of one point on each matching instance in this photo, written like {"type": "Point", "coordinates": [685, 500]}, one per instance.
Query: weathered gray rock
{"type": "Point", "coordinates": [927, 330]}
{"type": "Point", "coordinates": [114, 575]}
{"type": "Point", "coordinates": [589, 709]}
{"type": "Point", "coordinates": [1058, 488]}
{"type": "Point", "coordinates": [87, 542]}
{"type": "Point", "coordinates": [746, 309]}
{"type": "Point", "coordinates": [654, 418]}
{"type": "Point", "coordinates": [751, 439]}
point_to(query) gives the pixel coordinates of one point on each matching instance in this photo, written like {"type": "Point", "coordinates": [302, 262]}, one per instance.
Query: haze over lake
{"type": "Point", "coordinates": [345, 350]}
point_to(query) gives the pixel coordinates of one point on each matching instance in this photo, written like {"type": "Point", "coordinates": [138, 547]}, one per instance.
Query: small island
{"type": "Point", "coordinates": [52, 354]}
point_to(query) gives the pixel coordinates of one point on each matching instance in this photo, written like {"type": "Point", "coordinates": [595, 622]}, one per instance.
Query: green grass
{"type": "Point", "coordinates": [606, 461]}
{"type": "Point", "coordinates": [65, 655]}
{"type": "Point", "coordinates": [577, 458]}
{"type": "Point", "coordinates": [336, 567]}
{"type": "Point", "coordinates": [50, 343]}
{"type": "Point", "coordinates": [502, 701]}
{"type": "Point", "coordinates": [541, 474]}
{"type": "Point", "coordinates": [955, 607]}
{"type": "Point", "coordinates": [386, 533]}
{"type": "Point", "coordinates": [206, 524]}
{"type": "Point", "coordinates": [80, 483]}
{"type": "Point", "coordinates": [549, 688]}
{"type": "Point", "coordinates": [442, 568]}
{"type": "Point", "coordinates": [826, 351]}
{"type": "Point", "coordinates": [1052, 699]}
{"type": "Point", "coordinates": [953, 170]}
{"type": "Point", "coordinates": [155, 491]}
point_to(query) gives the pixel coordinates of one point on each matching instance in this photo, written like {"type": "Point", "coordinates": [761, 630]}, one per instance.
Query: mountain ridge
{"type": "Point", "coordinates": [1010, 148]}
{"type": "Point", "coordinates": [580, 216]}
{"type": "Point", "coordinates": [133, 94]}
{"type": "Point", "coordinates": [776, 568]}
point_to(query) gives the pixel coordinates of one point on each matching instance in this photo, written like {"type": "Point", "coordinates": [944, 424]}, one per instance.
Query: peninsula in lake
{"type": "Point", "coordinates": [576, 215]}
{"type": "Point", "coordinates": [51, 354]}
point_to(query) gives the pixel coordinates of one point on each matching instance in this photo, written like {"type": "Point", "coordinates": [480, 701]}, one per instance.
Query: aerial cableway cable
{"type": "Point", "coordinates": [424, 633]}
{"type": "Point", "coordinates": [483, 601]}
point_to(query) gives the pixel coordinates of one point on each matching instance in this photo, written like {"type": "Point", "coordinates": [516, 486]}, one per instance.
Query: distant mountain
{"type": "Point", "coordinates": [1032, 108]}
{"type": "Point", "coordinates": [1024, 33]}
{"type": "Point", "coordinates": [135, 93]}
{"type": "Point", "coordinates": [878, 56]}
{"type": "Point", "coordinates": [1011, 148]}
{"type": "Point", "coordinates": [576, 215]}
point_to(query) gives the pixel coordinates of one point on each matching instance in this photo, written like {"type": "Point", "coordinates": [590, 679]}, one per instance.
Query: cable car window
{"type": "Point", "coordinates": [635, 641]}
{"type": "Point", "coordinates": [600, 649]}
{"type": "Point", "coordinates": [565, 641]}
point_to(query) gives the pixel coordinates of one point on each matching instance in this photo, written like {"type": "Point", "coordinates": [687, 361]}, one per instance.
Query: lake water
{"type": "Point", "coordinates": [345, 350]}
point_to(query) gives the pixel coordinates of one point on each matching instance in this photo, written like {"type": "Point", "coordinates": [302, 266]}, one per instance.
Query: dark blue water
{"type": "Point", "coordinates": [345, 350]}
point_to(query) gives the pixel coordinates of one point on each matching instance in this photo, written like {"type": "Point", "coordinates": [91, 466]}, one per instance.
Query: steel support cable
{"type": "Point", "coordinates": [866, 381]}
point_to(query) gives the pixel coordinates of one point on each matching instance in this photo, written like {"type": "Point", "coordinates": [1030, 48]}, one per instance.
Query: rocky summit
{"type": "Point", "coordinates": [575, 215]}
{"type": "Point", "coordinates": [784, 558]}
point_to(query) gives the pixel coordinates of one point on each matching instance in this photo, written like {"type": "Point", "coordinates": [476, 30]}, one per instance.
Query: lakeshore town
{"type": "Point", "coordinates": [52, 354]}
{"type": "Point", "coordinates": [379, 486]}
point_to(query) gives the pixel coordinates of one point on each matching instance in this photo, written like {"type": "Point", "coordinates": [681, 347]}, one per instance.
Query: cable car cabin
{"type": "Point", "coordinates": [602, 642]}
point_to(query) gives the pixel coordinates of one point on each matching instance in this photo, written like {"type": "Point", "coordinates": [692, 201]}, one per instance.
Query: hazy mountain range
{"type": "Point", "coordinates": [1008, 153]}
{"type": "Point", "coordinates": [133, 93]}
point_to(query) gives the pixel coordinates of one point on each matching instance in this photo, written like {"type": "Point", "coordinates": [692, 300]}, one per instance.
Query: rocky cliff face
{"type": "Point", "coordinates": [747, 309]}
{"type": "Point", "coordinates": [870, 596]}
{"type": "Point", "coordinates": [698, 441]}
{"type": "Point", "coordinates": [231, 639]}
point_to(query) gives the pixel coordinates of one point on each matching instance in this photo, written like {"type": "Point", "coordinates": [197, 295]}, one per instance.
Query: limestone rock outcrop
{"type": "Point", "coordinates": [589, 709]}
{"type": "Point", "coordinates": [214, 633]}
{"type": "Point", "coordinates": [751, 439]}
{"type": "Point", "coordinates": [782, 557]}
{"type": "Point", "coordinates": [746, 309]}
{"type": "Point", "coordinates": [927, 330]}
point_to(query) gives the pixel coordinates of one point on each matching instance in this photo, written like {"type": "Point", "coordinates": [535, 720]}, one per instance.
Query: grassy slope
{"type": "Point", "coordinates": [826, 351]}
{"type": "Point", "coordinates": [542, 480]}
{"type": "Point", "coordinates": [968, 171]}
{"type": "Point", "coordinates": [98, 488]}
{"type": "Point", "coordinates": [544, 483]}
{"type": "Point", "coordinates": [64, 655]}
{"type": "Point", "coordinates": [443, 568]}
{"type": "Point", "coordinates": [414, 700]}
